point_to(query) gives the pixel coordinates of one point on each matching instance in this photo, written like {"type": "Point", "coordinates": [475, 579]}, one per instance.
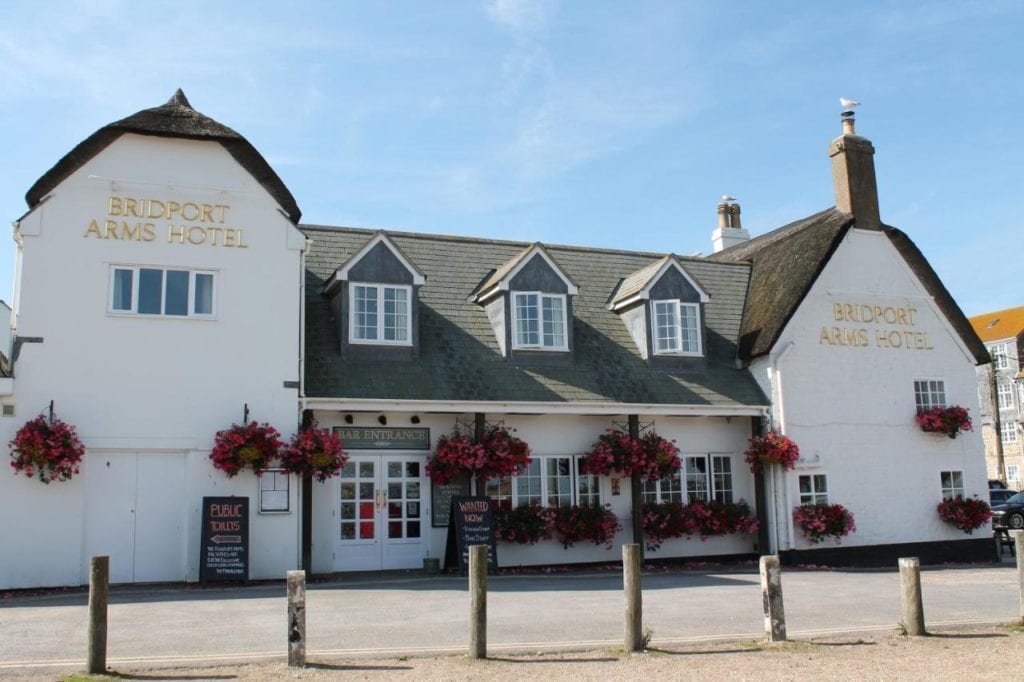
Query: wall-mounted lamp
{"type": "Point", "coordinates": [415, 419]}
{"type": "Point", "coordinates": [348, 419]}
{"type": "Point", "coordinates": [383, 420]}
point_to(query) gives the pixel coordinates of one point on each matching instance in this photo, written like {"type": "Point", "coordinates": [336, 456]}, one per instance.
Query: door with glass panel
{"type": "Point", "coordinates": [381, 513]}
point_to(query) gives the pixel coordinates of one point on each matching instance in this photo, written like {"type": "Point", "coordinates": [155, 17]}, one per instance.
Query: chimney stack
{"type": "Point", "coordinates": [729, 232]}
{"type": "Point", "coordinates": [853, 174]}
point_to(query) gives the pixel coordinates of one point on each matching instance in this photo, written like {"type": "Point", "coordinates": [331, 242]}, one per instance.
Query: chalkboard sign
{"type": "Point", "coordinates": [224, 553]}
{"type": "Point", "coordinates": [471, 522]}
{"type": "Point", "coordinates": [441, 495]}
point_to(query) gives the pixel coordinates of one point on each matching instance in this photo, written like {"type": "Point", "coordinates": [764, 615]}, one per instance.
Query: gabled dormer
{"type": "Point", "coordinates": [662, 306]}
{"type": "Point", "coordinates": [375, 299]}
{"type": "Point", "coordinates": [529, 304]}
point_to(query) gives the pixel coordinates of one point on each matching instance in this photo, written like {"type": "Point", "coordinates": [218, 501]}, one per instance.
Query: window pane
{"type": "Point", "coordinates": [527, 328]}
{"type": "Point", "coordinates": [528, 484]}
{"type": "Point", "coordinates": [666, 334]}
{"type": "Point", "coordinates": [122, 290]}
{"type": "Point", "coordinates": [150, 291]}
{"type": "Point", "coordinates": [690, 328]}
{"type": "Point", "coordinates": [396, 314]}
{"type": "Point", "coordinates": [554, 322]}
{"type": "Point", "coordinates": [587, 493]}
{"type": "Point", "coordinates": [696, 478]}
{"type": "Point", "coordinates": [176, 299]}
{"type": "Point", "coordinates": [365, 326]}
{"type": "Point", "coordinates": [203, 303]}
{"type": "Point", "coordinates": [559, 480]}
{"type": "Point", "coordinates": [722, 469]}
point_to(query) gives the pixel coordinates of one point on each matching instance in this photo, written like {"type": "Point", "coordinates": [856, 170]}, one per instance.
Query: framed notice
{"type": "Point", "coordinates": [224, 553]}
{"type": "Point", "coordinates": [441, 495]}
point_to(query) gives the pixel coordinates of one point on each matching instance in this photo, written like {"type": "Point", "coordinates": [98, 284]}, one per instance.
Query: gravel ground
{"type": "Point", "coordinates": [982, 653]}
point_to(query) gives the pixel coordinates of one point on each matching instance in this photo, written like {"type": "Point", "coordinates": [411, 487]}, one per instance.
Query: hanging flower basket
{"type": "Point", "coordinates": [498, 455]}
{"type": "Point", "coordinates": [49, 451]}
{"type": "Point", "coordinates": [966, 514]}
{"type": "Point", "coordinates": [821, 521]}
{"type": "Point", "coordinates": [651, 456]}
{"type": "Point", "coordinates": [525, 525]}
{"type": "Point", "coordinates": [948, 420]}
{"type": "Point", "coordinates": [666, 520]}
{"type": "Point", "coordinates": [771, 448]}
{"type": "Point", "coordinates": [314, 451]}
{"type": "Point", "coordinates": [578, 524]}
{"type": "Point", "coordinates": [253, 446]}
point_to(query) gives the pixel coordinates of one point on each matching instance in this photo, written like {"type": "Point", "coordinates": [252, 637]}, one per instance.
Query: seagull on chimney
{"type": "Point", "coordinates": [848, 104]}
{"type": "Point", "coordinates": [727, 198]}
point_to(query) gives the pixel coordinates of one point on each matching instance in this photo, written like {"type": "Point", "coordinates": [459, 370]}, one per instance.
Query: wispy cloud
{"type": "Point", "coordinates": [521, 16]}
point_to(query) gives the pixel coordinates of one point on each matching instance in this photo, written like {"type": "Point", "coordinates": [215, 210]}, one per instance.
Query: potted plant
{"type": "Point", "coordinates": [318, 452]}
{"type": "Point", "coordinates": [253, 446]}
{"type": "Point", "coordinates": [651, 456]}
{"type": "Point", "coordinates": [498, 455]}
{"type": "Point", "coordinates": [967, 514]}
{"type": "Point", "coordinates": [821, 521]}
{"type": "Point", "coordinates": [771, 448]}
{"type": "Point", "coordinates": [524, 525]}
{"type": "Point", "coordinates": [596, 524]}
{"type": "Point", "coordinates": [948, 420]}
{"type": "Point", "coordinates": [49, 450]}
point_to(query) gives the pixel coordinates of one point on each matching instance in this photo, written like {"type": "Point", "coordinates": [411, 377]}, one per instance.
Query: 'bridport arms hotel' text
{"type": "Point", "coordinates": [895, 334]}
{"type": "Point", "coordinates": [189, 222]}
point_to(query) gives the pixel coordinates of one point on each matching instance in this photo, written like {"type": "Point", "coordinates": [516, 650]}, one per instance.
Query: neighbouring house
{"type": "Point", "coordinates": [168, 290]}
{"type": "Point", "coordinates": [1001, 384]}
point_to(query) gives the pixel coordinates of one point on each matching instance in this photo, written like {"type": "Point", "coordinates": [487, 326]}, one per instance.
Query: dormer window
{"type": "Point", "coordinates": [539, 320]}
{"type": "Point", "coordinates": [380, 313]}
{"type": "Point", "coordinates": [676, 328]}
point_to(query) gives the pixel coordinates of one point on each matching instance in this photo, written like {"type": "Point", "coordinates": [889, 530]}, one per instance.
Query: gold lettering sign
{"type": "Point", "coordinates": [891, 330]}
{"type": "Point", "coordinates": [187, 223]}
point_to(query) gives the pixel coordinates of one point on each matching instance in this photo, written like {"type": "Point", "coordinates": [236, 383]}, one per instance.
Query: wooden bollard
{"type": "Point", "coordinates": [99, 595]}
{"type": "Point", "coordinates": [1018, 541]}
{"type": "Point", "coordinates": [478, 601]}
{"type": "Point", "coordinates": [297, 619]}
{"type": "Point", "coordinates": [910, 594]}
{"type": "Point", "coordinates": [634, 613]}
{"type": "Point", "coordinates": [771, 598]}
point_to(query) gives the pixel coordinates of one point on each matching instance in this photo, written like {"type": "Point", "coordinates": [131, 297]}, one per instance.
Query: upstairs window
{"type": "Point", "coordinates": [676, 327]}
{"type": "Point", "coordinates": [929, 393]}
{"type": "Point", "coordinates": [813, 489]}
{"type": "Point", "coordinates": [1004, 396]}
{"type": "Point", "coordinates": [380, 314]}
{"type": "Point", "coordinates": [161, 292]}
{"type": "Point", "coordinates": [952, 484]}
{"type": "Point", "coordinates": [1008, 431]}
{"type": "Point", "coordinates": [999, 356]}
{"type": "Point", "coordinates": [539, 320]}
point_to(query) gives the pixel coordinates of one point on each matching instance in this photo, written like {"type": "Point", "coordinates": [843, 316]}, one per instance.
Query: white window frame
{"type": "Point", "coordinates": [926, 391]}
{"type": "Point", "coordinates": [545, 487]}
{"type": "Point", "coordinates": [276, 476]}
{"type": "Point", "coordinates": [1013, 473]}
{"type": "Point", "coordinates": [380, 340]}
{"type": "Point", "coordinates": [1000, 357]}
{"type": "Point", "coordinates": [513, 299]}
{"type": "Point", "coordinates": [190, 295]}
{"type": "Point", "coordinates": [677, 306]}
{"type": "Point", "coordinates": [1004, 395]}
{"type": "Point", "coordinates": [952, 490]}
{"type": "Point", "coordinates": [819, 488]}
{"type": "Point", "coordinates": [1008, 431]}
{"type": "Point", "coordinates": [676, 489]}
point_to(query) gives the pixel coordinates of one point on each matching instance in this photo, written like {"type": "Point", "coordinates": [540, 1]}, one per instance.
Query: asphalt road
{"type": "Point", "coordinates": [387, 615]}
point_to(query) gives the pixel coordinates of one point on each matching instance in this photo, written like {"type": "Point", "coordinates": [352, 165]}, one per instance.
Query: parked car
{"type": "Point", "coordinates": [999, 495]}
{"type": "Point", "coordinates": [1009, 514]}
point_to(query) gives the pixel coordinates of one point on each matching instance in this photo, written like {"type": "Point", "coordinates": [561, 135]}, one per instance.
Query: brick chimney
{"type": "Point", "coordinates": [853, 175]}
{"type": "Point", "coordinates": [729, 231]}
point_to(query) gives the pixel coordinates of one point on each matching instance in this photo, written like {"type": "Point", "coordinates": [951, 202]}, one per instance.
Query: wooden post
{"type": "Point", "coordinates": [636, 492]}
{"type": "Point", "coordinates": [99, 594]}
{"type": "Point", "coordinates": [634, 613]}
{"type": "Point", "coordinates": [478, 601]}
{"type": "Point", "coordinates": [1018, 541]}
{"type": "Point", "coordinates": [910, 593]}
{"type": "Point", "coordinates": [297, 619]}
{"type": "Point", "coordinates": [771, 598]}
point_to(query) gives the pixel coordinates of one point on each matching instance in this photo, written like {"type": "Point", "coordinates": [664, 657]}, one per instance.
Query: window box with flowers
{"type": "Point", "coordinates": [597, 524]}
{"type": "Point", "coordinates": [821, 521]}
{"type": "Point", "coordinates": [253, 446]}
{"type": "Point", "coordinates": [707, 519]}
{"type": "Point", "coordinates": [524, 525]}
{"type": "Point", "coordinates": [498, 455]}
{"type": "Point", "coordinates": [651, 456]}
{"type": "Point", "coordinates": [946, 420]}
{"type": "Point", "coordinates": [47, 449]}
{"type": "Point", "coordinates": [771, 448]}
{"type": "Point", "coordinates": [317, 452]}
{"type": "Point", "coordinates": [967, 514]}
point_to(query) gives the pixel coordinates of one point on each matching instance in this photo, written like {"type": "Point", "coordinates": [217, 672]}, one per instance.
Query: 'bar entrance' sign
{"type": "Point", "coordinates": [384, 438]}
{"type": "Point", "coordinates": [224, 554]}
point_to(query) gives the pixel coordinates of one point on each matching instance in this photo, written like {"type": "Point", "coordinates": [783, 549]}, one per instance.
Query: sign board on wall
{"type": "Point", "coordinates": [224, 552]}
{"type": "Point", "coordinates": [471, 522]}
{"type": "Point", "coordinates": [383, 438]}
{"type": "Point", "coordinates": [441, 495]}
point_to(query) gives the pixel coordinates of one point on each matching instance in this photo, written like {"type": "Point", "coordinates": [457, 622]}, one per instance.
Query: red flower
{"type": "Point", "coordinates": [251, 445]}
{"type": "Point", "coordinates": [771, 448]}
{"type": "Point", "coordinates": [818, 521]}
{"type": "Point", "coordinates": [651, 456]}
{"type": "Point", "coordinates": [49, 451]}
{"type": "Point", "coordinates": [948, 420]}
{"type": "Point", "coordinates": [675, 520]}
{"type": "Point", "coordinates": [315, 451]}
{"type": "Point", "coordinates": [498, 455]}
{"type": "Point", "coordinates": [525, 525]}
{"type": "Point", "coordinates": [576, 524]}
{"type": "Point", "coordinates": [966, 514]}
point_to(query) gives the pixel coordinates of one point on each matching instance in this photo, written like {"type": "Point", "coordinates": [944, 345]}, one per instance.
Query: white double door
{"type": "Point", "coordinates": [382, 513]}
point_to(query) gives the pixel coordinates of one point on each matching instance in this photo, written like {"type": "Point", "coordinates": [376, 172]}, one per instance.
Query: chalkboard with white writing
{"type": "Point", "coordinates": [224, 553]}
{"type": "Point", "coordinates": [470, 522]}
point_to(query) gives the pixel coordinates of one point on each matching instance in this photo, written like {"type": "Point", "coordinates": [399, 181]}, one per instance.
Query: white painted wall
{"type": "Point", "coordinates": [145, 385]}
{"type": "Point", "coordinates": [851, 408]}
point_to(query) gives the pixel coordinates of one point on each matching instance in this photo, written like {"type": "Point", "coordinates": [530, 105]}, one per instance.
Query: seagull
{"type": "Point", "coordinates": [848, 104]}
{"type": "Point", "coordinates": [727, 198]}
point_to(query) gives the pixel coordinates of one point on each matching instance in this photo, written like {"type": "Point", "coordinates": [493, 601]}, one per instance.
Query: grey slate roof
{"type": "Point", "coordinates": [510, 265]}
{"type": "Point", "coordinates": [635, 282]}
{"type": "Point", "coordinates": [786, 262]}
{"type": "Point", "coordinates": [459, 358]}
{"type": "Point", "coordinates": [176, 118]}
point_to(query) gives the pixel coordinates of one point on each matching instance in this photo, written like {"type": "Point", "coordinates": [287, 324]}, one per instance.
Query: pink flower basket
{"type": "Point", "coordinates": [49, 451]}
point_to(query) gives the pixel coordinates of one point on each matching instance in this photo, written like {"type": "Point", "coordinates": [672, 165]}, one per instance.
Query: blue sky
{"type": "Point", "coordinates": [605, 124]}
